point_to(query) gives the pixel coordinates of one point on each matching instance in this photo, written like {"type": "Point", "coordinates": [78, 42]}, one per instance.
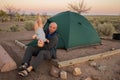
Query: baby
{"type": "Point", "coordinates": [39, 32]}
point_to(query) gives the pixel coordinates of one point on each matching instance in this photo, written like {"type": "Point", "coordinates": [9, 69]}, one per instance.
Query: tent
{"type": "Point", "coordinates": [74, 30]}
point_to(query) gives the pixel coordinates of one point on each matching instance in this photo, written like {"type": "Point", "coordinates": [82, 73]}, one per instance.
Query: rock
{"type": "Point", "coordinates": [77, 72]}
{"type": "Point", "coordinates": [54, 71]}
{"type": "Point", "coordinates": [113, 79]}
{"type": "Point", "coordinates": [101, 68]}
{"type": "Point", "coordinates": [63, 75]}
{"type": "Point", "coordinates": [88, 78]}
{"type": "Point", "coordinates": [112, 49]}
{"type": "Point", "coordinates": [101, 43]}
{"type": "Point", "coordinates": [6, 62]}
{"type": "Point", "coordinates": [92, 63]}
{"type": "Point", "coordinates": [95, 77]}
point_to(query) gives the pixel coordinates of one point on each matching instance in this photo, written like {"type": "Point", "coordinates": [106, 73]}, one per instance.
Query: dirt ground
{"type": "Point", "coordinates": [106, 69]}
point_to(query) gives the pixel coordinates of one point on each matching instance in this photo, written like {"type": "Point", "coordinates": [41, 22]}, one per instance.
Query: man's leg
{"type": "Point", "coordinates": [25, 68]}
{"type": "Point", "coordinates": [40, 57]}
{"type": "Point", "coordinates": [30, 51]}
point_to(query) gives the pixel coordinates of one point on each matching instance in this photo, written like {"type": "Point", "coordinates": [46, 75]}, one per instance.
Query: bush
{"type": "Point", "coordinates": [117, 26]}
{"type": "Point", "coordinates": [29, 25]}
{"type": "Point", "coordinates": [96, 23]}
{"type": "Point", "coordinates": [14, 28]}
{"type": "Point", "coordinates": [0, 29]}
{"type": "Point", "coordinates": [106, 29]}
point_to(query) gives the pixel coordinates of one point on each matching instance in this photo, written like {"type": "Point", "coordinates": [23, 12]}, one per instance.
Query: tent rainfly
{"type": "Point", "coordinates": [74, 30]}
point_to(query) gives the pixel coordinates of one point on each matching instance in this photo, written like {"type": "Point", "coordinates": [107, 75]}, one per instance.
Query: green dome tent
{"type": "Point", "coordinates": [74, 30]}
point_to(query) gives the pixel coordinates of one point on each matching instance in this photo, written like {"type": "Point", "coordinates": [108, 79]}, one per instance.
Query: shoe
{"type": "Point", "coordinates": [23, 67]}
{"type": "Point", "coordinates": [23, 73]}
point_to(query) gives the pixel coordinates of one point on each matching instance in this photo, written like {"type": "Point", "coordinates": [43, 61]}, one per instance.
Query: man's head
{"type": "Point", "coordinates": [52, 27]}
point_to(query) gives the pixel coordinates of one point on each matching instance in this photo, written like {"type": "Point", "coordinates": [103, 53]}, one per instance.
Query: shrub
{"type": "Point", "coordinates": [14, 28]}
{"type": "Point", "coordinates": [117, 26]}
{"type": "Point", "coordinates": [96, 23]}
{"type": "Point", "coordinates": [106, 29]}
{"type": "Point", "coordinates": [29, 25]}
{"type": "Point", "coordinates": [0, 29]}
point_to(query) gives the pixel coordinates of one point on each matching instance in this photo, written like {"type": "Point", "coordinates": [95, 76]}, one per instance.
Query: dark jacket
{"type": "Point", "coordinates": [52, 45]}
{"type": "Point", "coordinates": [53, 41]}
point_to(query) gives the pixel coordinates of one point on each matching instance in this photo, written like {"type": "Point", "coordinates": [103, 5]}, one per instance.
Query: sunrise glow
{"type": "Point", "coordinates": [56, 6]}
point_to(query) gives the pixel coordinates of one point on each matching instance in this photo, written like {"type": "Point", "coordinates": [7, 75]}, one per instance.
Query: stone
{"type": "Point", "coordinates": [6, 62]}
{"type": "Point", "coordinates": [101, 68]}
{"type": "Point", "coordinates": [112, 49]}
{"type": "Point", "coordinates": [95, 77]}
{"type": "Point", "coordinates": [77, 72]}
{"type": "Point", "coordinates": [101, 43]}
{"type": "Point", "coordinates": [88, 78]}
{"type": "Point", "coordinates": [92, 63]}
{"type": "Point", "coordinates": [54, 71]}
{"type": "Point", "coordinates": [63, 75]}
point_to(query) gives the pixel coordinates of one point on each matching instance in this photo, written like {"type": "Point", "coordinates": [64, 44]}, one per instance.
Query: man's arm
{"type": "Point", "coordinates": [52, 42]}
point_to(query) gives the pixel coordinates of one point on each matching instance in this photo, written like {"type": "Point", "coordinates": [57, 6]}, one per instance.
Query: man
{"type": "Point", "coordinates": [41, 53]}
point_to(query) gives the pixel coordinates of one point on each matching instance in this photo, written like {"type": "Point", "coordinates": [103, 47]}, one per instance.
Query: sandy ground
{"type": "Point", "coordinates": [110, 65]}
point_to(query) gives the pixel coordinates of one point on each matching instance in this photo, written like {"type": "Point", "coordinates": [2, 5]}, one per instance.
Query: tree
{"type": "Point", "coordinates": [3, 16]}
{"type": "Point", "coordinates": [18, 16]}
{"type": "Point", "coordinates": [79, 7]}
{"type": "Point", "coordinates": [11, 10]}
{"type": "Point", "coordinates": [2, 13]}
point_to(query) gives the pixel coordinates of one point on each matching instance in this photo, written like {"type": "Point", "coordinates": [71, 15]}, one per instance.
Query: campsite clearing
{"type": "Point", "coordinates": [109, 65]}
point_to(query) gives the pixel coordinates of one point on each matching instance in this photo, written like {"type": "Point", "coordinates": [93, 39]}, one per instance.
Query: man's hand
{"type": "Point", "coordinates": [40, 43]}
{"type": "Point", "coordinates": [47, 41]}
{"type": "Point", "coordinates": [34, 36]}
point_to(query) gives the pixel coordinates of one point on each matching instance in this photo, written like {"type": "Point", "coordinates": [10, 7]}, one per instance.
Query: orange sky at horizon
{"type": "Point", "coordinates": [55, 6]}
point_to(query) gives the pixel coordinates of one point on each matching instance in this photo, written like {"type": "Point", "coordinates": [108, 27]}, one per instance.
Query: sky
{"type": "Point", "coordinates": [56, 6]}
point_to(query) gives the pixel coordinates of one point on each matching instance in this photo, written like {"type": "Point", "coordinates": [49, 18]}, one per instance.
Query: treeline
{"type": "Point", "coordinates": [6, 16]}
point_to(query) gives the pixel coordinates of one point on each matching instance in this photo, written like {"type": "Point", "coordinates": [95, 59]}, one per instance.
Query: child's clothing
{"type": "Point", "coordinates": [40, 34]}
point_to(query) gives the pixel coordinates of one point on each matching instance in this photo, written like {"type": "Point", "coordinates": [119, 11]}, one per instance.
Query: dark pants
{"type": "Point", "coordinates": [39, 54]}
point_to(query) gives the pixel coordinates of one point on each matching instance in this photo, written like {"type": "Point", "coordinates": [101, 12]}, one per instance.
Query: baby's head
{"type": "Point", "coordinates": [40, 43]}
